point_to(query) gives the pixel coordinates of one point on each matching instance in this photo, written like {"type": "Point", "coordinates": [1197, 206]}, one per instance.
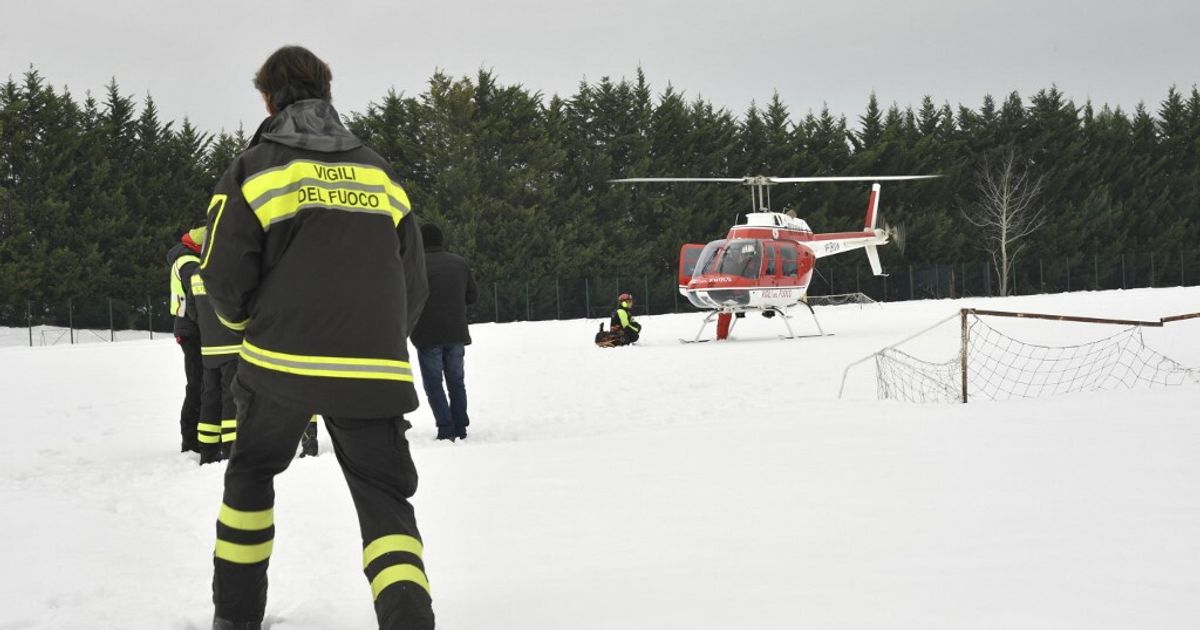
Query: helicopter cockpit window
{"type": "Point", "coordinates": [742, 258]}
{"type": "Point", "coordinates": [707, 263]}
{"type": "Point", "coordinates": [769, 270]}
{"type": "Point", "coordinates": [788, 258]}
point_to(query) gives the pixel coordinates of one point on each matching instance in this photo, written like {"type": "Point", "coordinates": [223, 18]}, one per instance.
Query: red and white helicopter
{"type": "Point", "coordinates": [766, 263]}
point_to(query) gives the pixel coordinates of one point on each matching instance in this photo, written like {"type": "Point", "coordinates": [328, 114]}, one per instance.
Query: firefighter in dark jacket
{"type": "Point", "coordinates": [184, 259]}
{"type": "Point", "coordinates": [219, 347]}
{"type": "Point", "coordinates": [313, 253]}
{"type": "Point", "coordinates": [441, 336]}
{"type": "Point", "coordinates": [622, 320]}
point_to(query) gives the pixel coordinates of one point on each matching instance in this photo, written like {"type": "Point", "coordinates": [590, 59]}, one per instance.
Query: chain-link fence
{"type": "Point", "coordinates": [96, 318]}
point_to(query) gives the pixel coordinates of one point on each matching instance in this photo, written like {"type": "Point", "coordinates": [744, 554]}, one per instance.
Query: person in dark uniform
{"type": "Point", "coordinates": [314, 254]}
{"type": "Point", "coordinates": [185, 261]}
{"type": "Point", "coordinates": [441, 336]}
{"type": "Point", "coordinates": [219, 348]}
{"type": "Point", "coordinates": [622, 320]}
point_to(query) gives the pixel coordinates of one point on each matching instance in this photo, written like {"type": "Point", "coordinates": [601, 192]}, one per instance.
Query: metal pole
{"type": "Point", "coordinates": [1041, 276]}
{"type": "Point", "coordinates": [937, 282]}
{"type": "Point", "coordinates": [496, 301]}
{"type": "Point", "coordinates": [911, 286]}
{"type": "Point", "coordinates": [150, 317]}
{"type": "Point", "coordinates": [1182, 281]}
{"type": "Point", "coordinates": [1122, 271]}
{"type": "Point", "coordinates": [964, 279]}
{"type": "Point", "coordinates": [646, 284]}
{"type": "Point", "coordinates": [29, 320]}
{"type": "Point", "coordinates": [587, 298]}
{"type": "Point", "coordinates": [1152, 270]}
{"type": "Point", "coordinates": [966, 339]}
{"type": "Point", "coordinates": [1096, 272]}
{"type": "Point", "coordinates": [71, 320]}
{"type": "Point", "coordinates": [557, 301]}
{"type": "Point", "coordinates": [1068, 274]}
{"type": "Point", "coordinates": [528, 315]}
{"type": "Point", "coordinates": [112, 331]}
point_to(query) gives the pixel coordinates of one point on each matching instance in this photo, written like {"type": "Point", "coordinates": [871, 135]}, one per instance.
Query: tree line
{"type": "Point", "coordinates": [94, 190]}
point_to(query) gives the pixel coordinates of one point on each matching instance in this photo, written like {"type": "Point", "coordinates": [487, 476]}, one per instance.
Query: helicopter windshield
{"type": "Point", "coordinates": [742, 258]}
{"type": "Point", "coordinates": [707, 263]}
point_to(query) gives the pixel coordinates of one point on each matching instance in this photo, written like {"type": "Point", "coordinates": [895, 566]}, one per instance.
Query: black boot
{"type": "Point", "coordinates": [225, 624]}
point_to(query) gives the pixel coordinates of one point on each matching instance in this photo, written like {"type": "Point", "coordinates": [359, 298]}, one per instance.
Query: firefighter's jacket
{"type": "Point", "coordinates": [218, 344]}
{"type": "Point", "coordinates": [312, 252]}
{"type": "Point", "coordinates": [184, 264]}
{"type": "Point", "coordinates": [623, 319]}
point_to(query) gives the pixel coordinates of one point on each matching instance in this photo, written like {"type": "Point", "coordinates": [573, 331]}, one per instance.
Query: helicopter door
{"type": "Point", "coordinates": [688, 255]}
{"type": "Point", "coordinates": [770, 263]}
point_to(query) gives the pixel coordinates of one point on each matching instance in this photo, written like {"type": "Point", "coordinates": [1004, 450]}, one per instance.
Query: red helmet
{"type": "Point", "coordinates": [625, 297]}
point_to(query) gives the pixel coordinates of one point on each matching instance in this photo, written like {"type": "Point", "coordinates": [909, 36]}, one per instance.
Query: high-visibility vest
{"type": "Point", "coordinates": [178, 297]}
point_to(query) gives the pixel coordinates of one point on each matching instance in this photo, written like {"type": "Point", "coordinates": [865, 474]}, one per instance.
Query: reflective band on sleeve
{"type": "Point", "coordinates": [247, 521]}
{"type": "Point", "coordinates": [210, 351]}
{"type": "Point", "coordinates": [207, 438]}
{"type": "Point", "coordinates": [238, 326]}
{"type": "Point", "coordinates": [243, 554]}
{"type": "Point", "coordinates": [389, 544]}
{"type": "Point", "coordinates": [229, 423]}
{"type": "Point", "coordinates": [207, 427]}
{"type": "Point", "coordinates": [198, 285]}
{"type": "Point", "coordinates": [229, 437]}
{"type": "Point", "coordinates": [278, 194]}
{"type": "Point", "coordinates": [218, 202]}
{"type": "Point", "coordinates": [398, 573]}
{"type": "Point", "coordinates": [331, 367]}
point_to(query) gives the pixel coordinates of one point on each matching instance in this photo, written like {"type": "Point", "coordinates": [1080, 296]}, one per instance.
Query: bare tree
{"type": "Point", "coordinates": [1007, 211]}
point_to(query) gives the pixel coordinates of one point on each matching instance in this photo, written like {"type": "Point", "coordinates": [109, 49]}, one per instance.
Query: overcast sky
{"type": "Point", "coordinates": [197, 58]}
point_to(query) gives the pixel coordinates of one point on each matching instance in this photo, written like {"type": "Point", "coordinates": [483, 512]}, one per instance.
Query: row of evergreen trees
{"type": "Point", "coordinates": [93, 192]}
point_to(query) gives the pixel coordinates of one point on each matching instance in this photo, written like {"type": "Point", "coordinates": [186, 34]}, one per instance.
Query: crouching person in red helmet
{"type": "Point", "coordinates": [623, 329]}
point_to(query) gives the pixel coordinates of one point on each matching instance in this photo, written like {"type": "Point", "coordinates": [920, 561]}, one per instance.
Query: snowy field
{"type": "Point", "coordinates": [666, 486]}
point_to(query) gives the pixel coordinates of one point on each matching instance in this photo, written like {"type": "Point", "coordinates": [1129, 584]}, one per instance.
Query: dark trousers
{"type": "Point", "coordinates": [193, 368]}
{"type": "Point", "coordinates": [217, 428]}
{"type": "Point", "coordinates": [379, 470]}
{"type": "Point", "coordinates": [447, 360]}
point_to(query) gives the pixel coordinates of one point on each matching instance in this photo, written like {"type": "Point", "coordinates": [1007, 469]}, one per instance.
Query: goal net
{"type": "Point", "coordinates": [994, 365]}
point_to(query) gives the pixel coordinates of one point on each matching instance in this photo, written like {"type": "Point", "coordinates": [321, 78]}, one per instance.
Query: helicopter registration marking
{"type": "Point", "coordinates": [832, 247]}
{"type": "Point", "coordinates": [776, 293]}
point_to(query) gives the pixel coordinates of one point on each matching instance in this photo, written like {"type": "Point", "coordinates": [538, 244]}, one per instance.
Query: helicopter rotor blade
{"type": "Point", "coordinates": [881, 178]}
{"type": "Point", "coordinates": [640, 180]}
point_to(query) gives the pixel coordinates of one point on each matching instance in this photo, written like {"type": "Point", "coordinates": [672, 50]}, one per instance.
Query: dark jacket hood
{"type": "Point", "coordinates": [311, 124]}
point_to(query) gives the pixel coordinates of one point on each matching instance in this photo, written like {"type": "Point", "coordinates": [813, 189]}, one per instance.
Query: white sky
{"type": "Point", "coordinates": [197, 58]}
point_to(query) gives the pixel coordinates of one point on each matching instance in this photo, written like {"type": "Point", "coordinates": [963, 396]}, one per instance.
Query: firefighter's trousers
{"type": "Point", "coordinates": [375, 459]}
{"type": "Point", "coordinates": [218, 414]}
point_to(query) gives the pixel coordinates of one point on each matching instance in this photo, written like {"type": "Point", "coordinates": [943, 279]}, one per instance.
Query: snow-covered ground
{"type": "Point", "coordinates": [717, 485]}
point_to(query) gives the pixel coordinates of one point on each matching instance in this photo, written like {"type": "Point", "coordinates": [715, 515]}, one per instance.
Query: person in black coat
{"type": "Point", "coordinates": [441, 334]}
{"type": "Point", "coordinates": [184, 259]}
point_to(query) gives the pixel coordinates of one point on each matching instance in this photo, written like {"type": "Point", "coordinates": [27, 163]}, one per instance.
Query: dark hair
{"type": "Point", "coordinates": [432, 235]}
{"type": "Point", "coordinates": [292, 74]}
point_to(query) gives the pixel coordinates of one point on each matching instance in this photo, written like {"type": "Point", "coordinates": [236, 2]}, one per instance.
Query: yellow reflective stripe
{"type": "Point", "coordinates": [280, 193]}
{"type": "Point", "coordinates": [313, 420]}
{"type": "Point", "coordinates": [248, 521]}
{"type": "Point", "coordinates": [210, 428]}
{"type": "Point", "coordinates": [218, 202]}
{"type": "Point", "coordinates": [208, 439]}
{"type": "Point", "coordinates": [209, 351]}
{"type": "Point", "coordinates": [178, 306]}
{"type": "Point", "coordinates": [243, 554]}
{"type": "Point", "coordinates": [398, 573]}
{"type": "Point", "coordinates": [229, 437]}
{"type": "Point", "coordinates": [389, 544]}
{"type": "Point", "coordinates": [230, 423]}
{"type": "Point", "coordinates": [238, 326]}
{"type": "Point", "coordinates": [198, 285]}
{"type": "Point", "coordinates": [333, 367]}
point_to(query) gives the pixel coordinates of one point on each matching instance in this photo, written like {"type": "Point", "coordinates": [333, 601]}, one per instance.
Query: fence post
{"type": "Point", "coordinates": [676, 294]}
{"type": "Point", "coordinates": [1122, 271]}
{"type": "Point", "coordinates": [112, 330]}
{"type": "Point", "coordinates": [150, 317]}
{"type": "Point", "coordinates": [937, 282]}
{"type": "Point", "coordinates": [1182, 282]}
{"type": "Point", "coordinates": [557, 301]}
{"type": "Point", "coordinates": [1041, 276]}
{"type": "Point", "coordinates": [1068, 274]}
{"type": "Point", "coordinates": [1096, 272]}
{"type": "Point", "coordinates": [496, 301]}
{"type": "Point", "coordinates": [646, 286]}
{"type": "Point", "coordinates": [1152, 270]}
{"type": "Point", "coordinates": [964, 279]}
{"type": "Point", "coordinates": [966, 340]}
{"type": "Point", "coordinates": [29, 320]}
{"type": "Point", "coordinates": [587, 298]}
{"type": "Point", "coordinates": [528, 314]}
{"type": "Point", "coordinates": [71, 320]}
{"type": "Point", "coordinates": [911, 285]}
